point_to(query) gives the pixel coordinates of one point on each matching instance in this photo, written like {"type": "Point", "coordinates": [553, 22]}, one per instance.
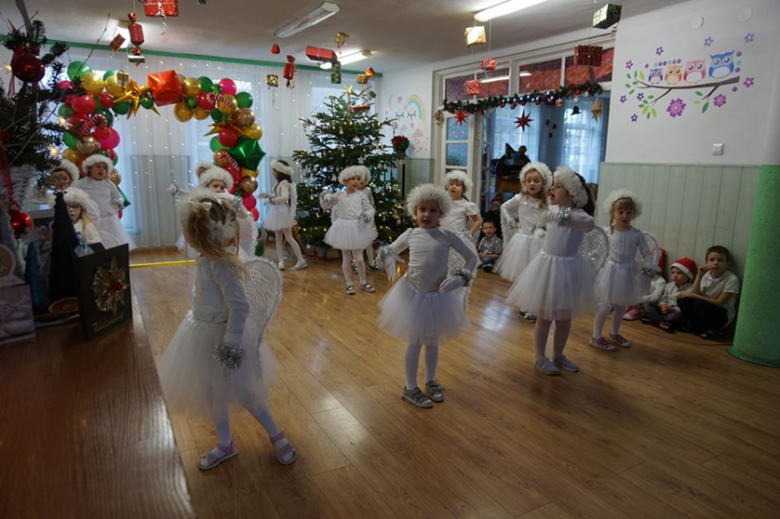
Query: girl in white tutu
{"type": "Point", "coordinates": [520, 219]}
{"type": "Point", "coordinates": [423, 305]}
{"type": "Point", "coordinates": [620, 283]}
{"type": "Point", "coordinates": [558, 283]}
{"type": "Point", "coordinates": [109, 200]}
{"type": "Point", "coordinates": [217, 356]}
{"type": "Point", "coordinates": [351, 231]}
{"type": "Point", "coordinates": [281, 215]}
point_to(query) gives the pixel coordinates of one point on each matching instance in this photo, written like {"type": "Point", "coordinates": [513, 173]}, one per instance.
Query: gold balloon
{"type": "Point", "coordinates": [191, 87]}
{"type": "Point", "coordinates": [244, 117]}
{"type": "Point", "coordinates": [92, 82]}
{"type": "Point", "coordinates": [182, 113]}
{"type": "Point", "coordinates": [227, 104]}
{"type": "Point", "coordinates": [249, 172]}
{"type": "Point", "coordinates": [115, 177]}
{"type": "Point", "coordinates": [113, 87]}
{"type": "Point", "coordinates": [254, 132]}
{"type": "Point", "coordinates": [200, 113]}
{"type": "Point", "coordinates": [72, 155]}
{"type": "Point", "coordinates": [247, 185]}
{"type": "Point", "coordinates": [88, 145]}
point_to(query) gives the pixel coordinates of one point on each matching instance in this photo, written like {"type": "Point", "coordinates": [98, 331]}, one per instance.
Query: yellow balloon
{"type": "Point", "coordinates": [72, 155]}
{"type": "Point", "coordinates": [115, 176]}
{"type": "Point", "coordinates": [92, 82]}
{"type": "Point", "coordinates": [254, 132]}
{"type": "Point", "coordinates": [112, 86]}
{"type": "Point", "coordinates": [191, 87]}
{"type": "Point", "coordinates": [200, 114]}
{"type": "Point", "coordinates": [227, 104]}
{"type": "Point", "coordinates": [182, 113]}
{"type": "Point", "coordinates": [249, 172]}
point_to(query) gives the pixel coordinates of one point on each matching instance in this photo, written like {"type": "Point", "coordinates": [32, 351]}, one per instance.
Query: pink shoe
{"type": "Point", "coordinates": [212, 458]}
{"type": "Point", "coordinates": [285, 452]}
{"type": "Point", "coordinates": [619, 340]}
{"type": "Point", "coordinates": [631, 315]}
{"type": "Point", "coordinates": [602, 344]}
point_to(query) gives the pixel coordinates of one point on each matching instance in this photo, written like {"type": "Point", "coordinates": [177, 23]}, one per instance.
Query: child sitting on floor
{"type": "Point", "coordinates": [653, 295]}
{"type": "Point", "coordinates": [665, 313]}
{"type": "Point", "coordinates": [490, 247]}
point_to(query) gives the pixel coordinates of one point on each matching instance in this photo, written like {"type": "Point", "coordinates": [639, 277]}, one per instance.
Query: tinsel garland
{"type": "Point", "coordinates": [548, 97]}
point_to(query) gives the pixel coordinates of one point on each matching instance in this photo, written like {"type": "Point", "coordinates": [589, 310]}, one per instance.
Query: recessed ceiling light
{"type": "Point", "coordinates": [494, 79]}
{"type": "Point", "coordinates": [505, 8]}
{"type": "Point", "coordinates": [313, 17]}
{"type": "Point", "coordinates": [350, 58]}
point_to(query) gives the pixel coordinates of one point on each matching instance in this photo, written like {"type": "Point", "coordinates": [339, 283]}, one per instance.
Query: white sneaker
{"type": "Point", "coordinates": [564, 363]}
{"type": "Point", "coordinates": [546, 367]}
{"type": "Point", "coordinates": [281, 265]}
{"type": "Point", "coordinates": [300, 265]}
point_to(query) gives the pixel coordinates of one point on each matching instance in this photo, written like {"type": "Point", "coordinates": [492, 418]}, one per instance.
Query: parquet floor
{"type": "Point", "coordinates": [673, 427]}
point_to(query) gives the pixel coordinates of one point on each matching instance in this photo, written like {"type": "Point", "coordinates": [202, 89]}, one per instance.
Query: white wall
{"type": "Point", "coordinates": [740, 123]}
{"type": "Point", "coordinates": [406, 97]}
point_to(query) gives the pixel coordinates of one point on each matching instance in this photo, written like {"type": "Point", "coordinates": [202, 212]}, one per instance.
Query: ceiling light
{"type": "Point", "coordinates": [494, 79]}
{"type": "Point", "coordinates": [351, 58]}
{"type": "Point", "coordinates": [505, 8]}
{"type": "Point", "coordinates": [525, 73]}
{"type": "Point", "coordinates": [324, 11]}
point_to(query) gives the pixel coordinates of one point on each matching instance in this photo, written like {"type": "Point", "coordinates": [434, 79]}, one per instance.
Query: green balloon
{"type": "Point", "coordinates": [244, 100]}
{"type": "Point", "coordinates": [109, 73]}
{"type": "Point", "coordinates": [77, 68]}
{"type": "Point", "coordinates": [147, 102]}
{"type": "Point", "coordinates": [217, 116]}
{"type": "Point", "coordinates": [192, 103]}
{"type": "Point", "coordinates": [215, 145]}
{"type": "Point", "coordinates": [216, 89]}
{"type": "Point", "coordinates": [247, 153]}
{"type": "Point", "coordinates": [70, 140]}
{"type": "Point", "coordinates": [108, 115]}
{"type": "Point", "coordinates": [115, 159]}
{"type": "Point", "coordinates": [121, 108]}
{"type": "Point", "coordinates": [65, 111]}
{"type": "Point", "coordinates": [206, 84]}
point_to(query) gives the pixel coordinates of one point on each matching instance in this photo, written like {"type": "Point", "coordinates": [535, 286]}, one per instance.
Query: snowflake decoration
{"type": "Point", "coordinates": [749, 37]}
{"type": "Point", "coordinates": [659, 51]}
{"type": "Point", "coordinates": [640, 96]}
{"type": "Point", "coordinates": [634, 118]}
{"type": "Point", "coordinates": [708, 41]}
{"type": "Point", "coordinates": [719, 100]}
{"type": "Point", "coordinates": [749, 82]}
{"type": "Point", "coordinates": [629, 64]}
{"type": "Point", "coordinates": [523, 121]}
{"type": "Point", "coordinates": [676, 107]}
{"type": "Point", "coordinates": [623, 99]}
{"type": "Point", "coordinates": [461, 117]}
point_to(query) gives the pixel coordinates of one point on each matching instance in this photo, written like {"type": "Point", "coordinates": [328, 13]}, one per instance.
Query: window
{"type": "Point", "coordinates": [457, 146]}
{"type": "Point", "coordinates": [576, 74]}
{"type": "Point", "coordinates": [492, 83]}
{"type": "Point", "coordinates": [544, 75]}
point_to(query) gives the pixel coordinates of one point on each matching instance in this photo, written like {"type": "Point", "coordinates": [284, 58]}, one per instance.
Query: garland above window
{"type": "Point", "coordinates": [550, 97]}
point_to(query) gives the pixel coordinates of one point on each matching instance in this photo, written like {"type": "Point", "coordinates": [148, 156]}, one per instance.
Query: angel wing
{"type": "Point", "coordinates": [263, 288]}
{"type": "Point", "coordinates": [595, 248]}
{"type": "Point", "coordinates": [655, 253]}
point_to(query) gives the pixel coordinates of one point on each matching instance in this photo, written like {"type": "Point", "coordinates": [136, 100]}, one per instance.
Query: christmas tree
{"type": "Point", "coordinates": [346, 134]}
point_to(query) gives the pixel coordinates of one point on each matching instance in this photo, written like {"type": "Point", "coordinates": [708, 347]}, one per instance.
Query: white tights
{"type": "Point", "coordinates": [371, 254]}
{"type": "Point", "coordinates": [412, 362]}
{"type": "Point", "coordinates": [347, 257]}
{"type": "Point", "coordinates": [221, 416]}
{"type": "Point", "coordinates": [287, 233]}
{"type": "Point", "coordinates": [601, 318]}
{"type": "Point", "coordinates": [561, 335]}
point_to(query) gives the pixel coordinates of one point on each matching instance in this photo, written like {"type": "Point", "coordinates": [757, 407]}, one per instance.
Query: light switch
{"type": "Point", "coordinates": [717, 149]}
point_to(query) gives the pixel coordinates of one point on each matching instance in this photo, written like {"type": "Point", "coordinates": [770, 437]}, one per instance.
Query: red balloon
{"type": "Point", "coordinates": [106, 101]}
{"type": "Point", "coordinates": [250, 202]}
{"type": "Point", "coordinates": [84, 105]}
{"type": "Point", "coordinates": [64, 85]}
{"type": "Point", "coordinates": [228, 86]}
{"type": "Point", "coordinates": [111, 142]}
{"type": "Point", "coordinates": [111, 154]}
{"type": "Point", "coordinates": [80, 125]}
{"type": "Point", "coordinates": [207, 101]}
{"type": "Point", "coordinates": [255, 213]}
{"type": "Point", "coordinates": [228, 137]}
{"type": "Point", "coordinates": [102, 133]}
{"type": "Point", "coordinates": [20, 222]}
{"type": "Point", "coordinates": [236, 175]}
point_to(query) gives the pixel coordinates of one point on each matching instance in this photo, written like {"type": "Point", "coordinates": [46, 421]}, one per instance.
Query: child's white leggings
{"type": "Point", "coordinates": [601, 318]}
{"type": "Point", "coordinates": [347, 256]}
{"type": "Point", "coordinates": [287, 233]}
{"type": "Point", "coordinates": [561, 335]}
{"type": "Point", "coordinates": [221, 416]}
{"type": "Point", "coordinates": [412, 362]}
{"type": "Point", "coordinates": [371, 254]}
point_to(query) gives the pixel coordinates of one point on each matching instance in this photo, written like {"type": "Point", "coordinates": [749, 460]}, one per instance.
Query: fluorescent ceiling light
{"type": "Point", "coordinates": [525, 73]}
{"type": "Point", "coordinates": [494, 79]}
{"type": "Point", "coordinates": [505, 8]}
{"type": "Point", "coordinates": [324, 11]}
{"type": "Point", "coordinates": [351, 58]}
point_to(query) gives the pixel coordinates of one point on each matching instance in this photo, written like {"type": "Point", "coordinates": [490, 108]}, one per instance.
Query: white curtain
{"type": "Point", "coordinates": [156, 151]}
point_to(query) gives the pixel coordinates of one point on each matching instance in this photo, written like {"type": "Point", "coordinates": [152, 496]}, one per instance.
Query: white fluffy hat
{"type": "Point", "coordinates": [215, 173]}
{"type": "Point", "coordinates": [70, 167]}
{"type": "Point", "coordinates": [74, 196]}
{"type": "Point", "coordinates": [355, 171]}
{"type": "Point", "coordinates": [566, 176]}
{"type": "Point", "coordinates": [425, 192]}
{"type": "Point", "coordinates": [461, 177]}
{"type": "Point", "coordinates": [618, 194]}
{"type": "Point", "coordinates": [205, 164]}
{"type": "Point", "coordinates": [543, 170]}
{"type": "Point", "coordinates": [94, 159]}
{"type": "Point", "coordinates": [281, 167]}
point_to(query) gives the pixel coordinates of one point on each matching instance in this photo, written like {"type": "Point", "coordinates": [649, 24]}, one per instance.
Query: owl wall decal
{"type": "Point", "coordinates": [694, 71]}
{"type": "Point", "coordinates": [722, 64]}
{"type": "Point", "coordinates": [656, 75]}
{"type": "Point", "coordinates": [673, 75]}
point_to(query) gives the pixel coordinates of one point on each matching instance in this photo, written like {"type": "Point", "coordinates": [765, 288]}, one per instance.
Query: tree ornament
{"type": "Point", "coordinates": [289, 71]}
{"type": "Point", "coordinates": [26, 65]}
{"type": "Point", "coordinates": [596, 109]}
{"type": "Point", "coordinates": [20, 222]}
{"type": "Point", "coordinates": [275, 49]}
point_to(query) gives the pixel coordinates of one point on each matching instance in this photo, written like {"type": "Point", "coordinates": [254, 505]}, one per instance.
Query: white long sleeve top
{"type": "Point", "coordinates": [218, 297]}
{"type": "Point", "coordinates": [428, 253]}
{"type": "Point", "coordinates": [624, 244]}
{"type": "Point", "coordinates": [104, 193]}
{"type": "Point", "coordinates": [349, 206]}
{"type": "Point", "coordinates": [524, 210]}
{"type": "Point", "coordinates": [565, 240]}
{"type": "Point", "coordinates": [281, 193]}
{"type": "Point", "coordinates": [656, 290]}
{"type": "Point", "coordinates": [459, 217]}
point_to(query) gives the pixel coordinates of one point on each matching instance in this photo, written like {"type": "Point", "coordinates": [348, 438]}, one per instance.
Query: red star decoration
{"type": "Point", "coordinates": [461, 116]}
{"type": "Point", "coordinates": [523, 121]}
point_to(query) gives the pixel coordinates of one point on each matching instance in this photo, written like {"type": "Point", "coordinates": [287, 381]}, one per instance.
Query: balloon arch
{"type": "Point", "coordinates": [92, 102]}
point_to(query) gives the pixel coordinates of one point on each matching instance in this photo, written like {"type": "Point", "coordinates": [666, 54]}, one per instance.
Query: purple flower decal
{"type": "Point", "coordinates": [708, 41]}
{"type": "Point", "coordinates": [634, 117]}
{"type": "Point", "coordinates": [629, 64]}
{"type": "Point", "coordinates": [749, 37]}
{"type": "Point", "coordinates": [622, 99]}
{"type": "Point", "coordinates": [676, 107]}
{"type": "Point", "coordinates": [719, 100]}
{"type": "Point", "coordinates": [659, 51]}
{"type": "Point", "coordinates": [640, 96]}
{"type": "Point", "coordinates": [749, 81]}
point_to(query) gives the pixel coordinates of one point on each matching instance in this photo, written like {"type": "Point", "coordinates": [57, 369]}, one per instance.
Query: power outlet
{"type": "Point", "coordinates": [717, 149]}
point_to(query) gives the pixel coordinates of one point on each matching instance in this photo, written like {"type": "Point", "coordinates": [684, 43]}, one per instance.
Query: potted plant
{"type": "Point", "coordinates": [400, 143]}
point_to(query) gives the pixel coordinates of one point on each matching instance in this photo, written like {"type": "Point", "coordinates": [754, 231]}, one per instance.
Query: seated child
{"type": "Point", "coordinates": [495, 215]}
{"type": "Point", "coordinates": [665, 313]}
{"type": "Point", "coordinates": [654, 293]}
{"type": "Point", "coordinates": [490, 247]}
{"type": "Point", "coordinates": [709, 306]}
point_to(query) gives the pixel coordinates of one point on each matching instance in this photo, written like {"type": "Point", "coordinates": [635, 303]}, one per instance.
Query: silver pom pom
{"type": "Point", "coordinates": [465, 275]}
{"type": "Point", "coordinates": [229, 357]}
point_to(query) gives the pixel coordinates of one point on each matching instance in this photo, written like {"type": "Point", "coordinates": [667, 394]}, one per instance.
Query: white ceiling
{"type": "Point", "coordinates": [402, 33]}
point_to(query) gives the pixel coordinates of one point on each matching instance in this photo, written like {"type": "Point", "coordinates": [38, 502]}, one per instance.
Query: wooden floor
{"type": "Point", "coordinates": [672, 427]}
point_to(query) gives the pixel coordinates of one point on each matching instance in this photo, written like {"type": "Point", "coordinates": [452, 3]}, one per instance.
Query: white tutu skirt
{"type": "Point", "coordinates": [113, 233]}
{"type": "Point", "coordinates": [620, 284]}
{"type": "Point", "coordinates": [554, 287]}
{"type": "Point", "coordinates": [279, 217]}
{"type": "Point", "coordinates": [192, 379]}
{"type": "Point", "coordinates": [517, 255]}
{"type": "Point", "coordinates": [350, 234]}
{"type": "Point", "coordinates": [421, 317]}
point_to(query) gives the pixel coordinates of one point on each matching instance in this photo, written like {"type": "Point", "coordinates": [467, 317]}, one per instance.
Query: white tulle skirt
{"type": "Point", "coordinates": [350, 234]}
{"type": "Point", "coordinates": [421, 317]}
{"type": "Point", "coordinates": [620, 284]}
{"type": "Point", "coordinates": [517, 255]}
{"type": "Point", "coordinates": [193, 380]}
{"type": "Point", "coordinates": [113, 233]}
{"type": "Point", "coordinates": [279, 217]}
{"type": "Point", "coordinates": [554, 287]}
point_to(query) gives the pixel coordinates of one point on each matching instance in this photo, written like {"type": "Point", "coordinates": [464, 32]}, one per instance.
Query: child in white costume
{"type": "Point", "coordinates": [620, 283]}
{"type": "Point", "coordinates": [79, 205]}
{"type": "Point", "coordinates": [218, 356]}
{"type": "Point", "coordinates": [558, 283]}
{"type": "Point", "coordinates": [109, 200]}
{"type": "Point", "coordinates": [424, 304]}
{"type": "Point", "coordinates": [351, 231]}
{"type": "Point", "coordinates": [281, 215]}
{"type": "Point", "coordinates": [61, 177]}
{"type": "Point", "coordinates": [183, 194]}
{"type": "Point", "coordinates": [370, 253]}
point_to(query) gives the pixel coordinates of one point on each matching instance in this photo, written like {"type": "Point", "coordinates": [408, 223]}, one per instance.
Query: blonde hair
{"type": "Point", "coordinates": [83, 215]}
{"type": "Point", "coordinates": [209, 225]}
{"type": "Point", "coordinates": [542, 195]}
{"type": "Point", "coordinates": [624, 203]}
